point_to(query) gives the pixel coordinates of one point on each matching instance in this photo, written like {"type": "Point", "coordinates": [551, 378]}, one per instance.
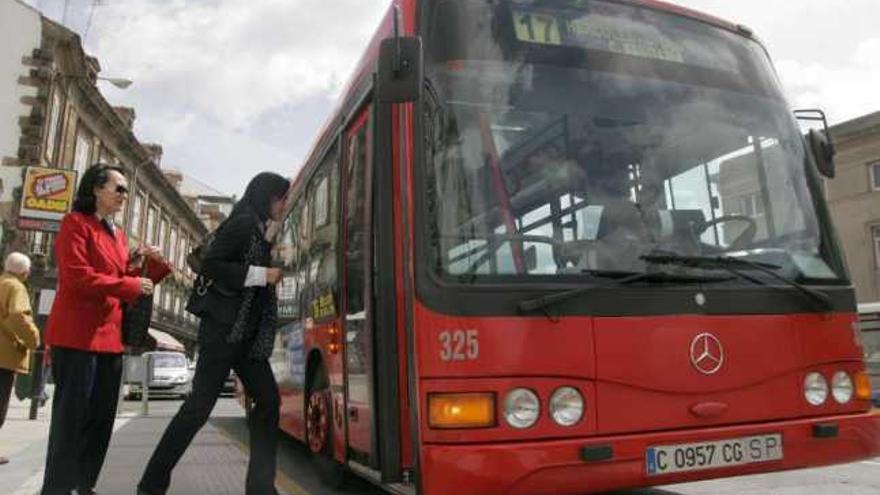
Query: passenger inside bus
{"type": "Point", "coordinates": [610, 229]}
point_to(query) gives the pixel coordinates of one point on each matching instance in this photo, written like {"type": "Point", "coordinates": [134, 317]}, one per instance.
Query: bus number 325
{"type": "Point", "coordinates": [459, 345]}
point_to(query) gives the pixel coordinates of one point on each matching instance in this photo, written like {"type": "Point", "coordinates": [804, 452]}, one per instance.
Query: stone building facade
{"type": "Point", "coordinates": [63, 121]}
{"type": "Point", "coordinates": [854, 197]}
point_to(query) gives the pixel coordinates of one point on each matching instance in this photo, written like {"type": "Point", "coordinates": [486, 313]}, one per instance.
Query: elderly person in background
{"type": "Point", "coordinates": [95, 276]}
{"type": "Point", "coordinates": [18, 334]}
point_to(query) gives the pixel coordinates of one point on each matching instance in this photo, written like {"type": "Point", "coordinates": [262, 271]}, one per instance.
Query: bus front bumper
{"type": "Point", "coordinates": [557, 467]}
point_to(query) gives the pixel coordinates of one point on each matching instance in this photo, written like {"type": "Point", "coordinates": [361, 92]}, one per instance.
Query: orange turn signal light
{"type": "Point", "coordinates": [463, 410]}
{"type": "Point", "coordinates": [863, 385]}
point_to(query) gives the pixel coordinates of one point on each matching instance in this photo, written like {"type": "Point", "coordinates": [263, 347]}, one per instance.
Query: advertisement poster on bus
{"type": "Point", "coordinates": [47, 195]}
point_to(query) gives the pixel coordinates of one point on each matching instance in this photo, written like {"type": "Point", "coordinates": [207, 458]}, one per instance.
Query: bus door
{"type": "Point", "coordinates": [357, 293]}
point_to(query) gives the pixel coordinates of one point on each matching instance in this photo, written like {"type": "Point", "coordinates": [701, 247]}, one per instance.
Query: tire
{"type": "Point", "coordinates": [319, 433]}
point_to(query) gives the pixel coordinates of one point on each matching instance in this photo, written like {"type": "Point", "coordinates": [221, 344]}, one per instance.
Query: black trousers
{"type": "Point", "coordinates": [7, 377]}
{"type": "Point", "coordinates": [83, 411]}
{"type": "Point", "coordinates": [215, 360]}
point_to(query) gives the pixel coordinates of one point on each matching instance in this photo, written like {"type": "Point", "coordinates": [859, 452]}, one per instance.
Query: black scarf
{"type": "Point", "coordinates": [258, 252]}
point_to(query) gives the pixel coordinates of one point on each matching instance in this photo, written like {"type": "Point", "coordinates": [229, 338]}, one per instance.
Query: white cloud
{"type": "Point", "coordinates": [827, 53]}
{"type": "Point", "coordinates": [212, 76]}
{"type": "Point", "coordinates": [845, 90]}
{"type": "Point", "coordinates": [233, 61]}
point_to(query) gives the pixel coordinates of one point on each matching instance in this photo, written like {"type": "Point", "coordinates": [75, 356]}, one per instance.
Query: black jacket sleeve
{"type": "Point", "coordinates": [224, 262]}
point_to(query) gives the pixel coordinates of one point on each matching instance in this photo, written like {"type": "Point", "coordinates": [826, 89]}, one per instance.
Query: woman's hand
{"type": "Point", "coordinates": [146, 286]}
{"type": "Point", "coordinates": [151, 252]}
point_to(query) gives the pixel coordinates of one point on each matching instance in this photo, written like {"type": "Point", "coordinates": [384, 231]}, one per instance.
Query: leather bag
{"type": "Point", "coordinates": [136, 317]}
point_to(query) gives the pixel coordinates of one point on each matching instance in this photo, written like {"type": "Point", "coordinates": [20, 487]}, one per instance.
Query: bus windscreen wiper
{"type": "Point", "coordinates": [735, 266]}
{"type": "Point", "coordinates": [616, 278]}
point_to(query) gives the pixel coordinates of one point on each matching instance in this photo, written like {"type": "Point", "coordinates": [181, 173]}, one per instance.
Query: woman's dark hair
{"type": "Point", "coordinates": [260, 192]}
{"type": "Point", "coordinates": [96, 176]}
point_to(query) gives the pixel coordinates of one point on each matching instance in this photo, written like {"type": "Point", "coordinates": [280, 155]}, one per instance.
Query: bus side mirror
{"type": "Point", "coordinates": [400, 71]}
{"type": "Point", "coordinates": [818, 141]}
{"type": "Point", "coordinates": [823, 152]}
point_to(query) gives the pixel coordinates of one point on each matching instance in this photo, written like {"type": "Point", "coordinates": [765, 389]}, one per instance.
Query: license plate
{"type": "Point", "coordinates": [665, 459]}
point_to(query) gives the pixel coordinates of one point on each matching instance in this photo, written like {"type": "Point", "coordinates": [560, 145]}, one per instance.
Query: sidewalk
{"type": "Point", "coordinates": [214, 463]}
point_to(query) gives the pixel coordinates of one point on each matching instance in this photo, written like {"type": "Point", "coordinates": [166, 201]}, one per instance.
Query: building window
{"type": "Point", "coordinates": [172, 247]}
{"type": "Point", "coordinates": [161, 237]}
{"type": "Point", "coordinates": [52, 131]}
{"type": "Point", "coordinates": [38, 242]}
{"type": "Point", "coordinates": [875, 241]}
{"type": "Point", "coordinates": [151, 226]}
{"type": "Point", "coordinates": [875, 176]}
{"type": "Point", "coordinates": [137, 210]}
{"type": "Point", "coordinates": [182, 252]}
{"type": "Point", "coordinates": [82, 153]}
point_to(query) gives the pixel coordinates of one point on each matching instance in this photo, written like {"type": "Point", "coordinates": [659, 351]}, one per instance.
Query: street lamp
{"type": "Point", "coordinates": [116, 81]}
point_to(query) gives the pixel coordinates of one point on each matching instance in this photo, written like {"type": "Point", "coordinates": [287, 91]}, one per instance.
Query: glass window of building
{"type": "Point", "coordinates": [137, 210]}
{"type": "Point", "coordinates": [151, 226]}
{"type": "Point", "coordinates": [172, 247]}
{"type": "Point", "coordinates": [875, 176]}
{"type": "Point", "coordinates": [52, 131]}
{"type": "Point", "coordinates": [161, 237]}
{"type": "Point", "coordinates": [82, 153]}
{"type": "Point", "coordinates": [184, 250]}
{"type": "Point", "coordinates": [875, 241]}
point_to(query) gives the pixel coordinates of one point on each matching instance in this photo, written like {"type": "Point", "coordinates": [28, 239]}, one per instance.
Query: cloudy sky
{"type": "Point", "coordinates": [232, 87]}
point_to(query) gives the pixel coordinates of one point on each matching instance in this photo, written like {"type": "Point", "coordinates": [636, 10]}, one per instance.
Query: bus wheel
{"type": "Point", "coordinates": [319, 422]}
{"type": "Point", "coordinates": [319, 433]}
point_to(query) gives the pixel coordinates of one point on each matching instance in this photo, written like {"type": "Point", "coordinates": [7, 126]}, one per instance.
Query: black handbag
{"type": "Point", "coordinates": [136, 317]}
{"type": "Point", "coordinates": [196, 257]}
{"type": "Point", "coordinates": [209, 299]}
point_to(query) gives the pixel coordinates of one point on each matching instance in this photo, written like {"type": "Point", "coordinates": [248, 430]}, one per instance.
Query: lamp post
{"type": "Point", "coordinates": [119, 82]}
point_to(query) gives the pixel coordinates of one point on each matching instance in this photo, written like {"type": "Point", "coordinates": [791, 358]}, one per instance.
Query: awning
{"type": "Point", "coordinates": [165, 342]}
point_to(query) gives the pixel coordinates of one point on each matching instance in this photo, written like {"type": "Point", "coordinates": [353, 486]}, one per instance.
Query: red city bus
{"type": "Point", "coordinates": [551, 247]}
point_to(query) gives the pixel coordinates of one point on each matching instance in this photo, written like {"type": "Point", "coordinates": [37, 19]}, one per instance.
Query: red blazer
{"type": "Point", "coordinates": [93, 279]}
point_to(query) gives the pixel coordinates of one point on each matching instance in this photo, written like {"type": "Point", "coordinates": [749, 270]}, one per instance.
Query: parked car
{"type": "Point", "coordinates": [169, 375]}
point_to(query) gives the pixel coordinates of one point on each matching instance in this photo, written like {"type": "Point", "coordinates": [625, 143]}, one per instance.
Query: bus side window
{"type": "Point", "coordinates": [322, 208]}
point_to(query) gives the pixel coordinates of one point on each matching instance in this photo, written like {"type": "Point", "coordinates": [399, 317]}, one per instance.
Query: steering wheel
{"type": "Point", "coordinates": [742, 240]}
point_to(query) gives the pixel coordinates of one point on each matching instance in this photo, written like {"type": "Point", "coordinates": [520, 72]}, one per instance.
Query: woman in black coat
{"type": "Point", "coordinates": [235, 299]}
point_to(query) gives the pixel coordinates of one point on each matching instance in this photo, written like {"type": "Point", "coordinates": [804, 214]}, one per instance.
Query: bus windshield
{"type": "Point", "coordinates": [570, 138]}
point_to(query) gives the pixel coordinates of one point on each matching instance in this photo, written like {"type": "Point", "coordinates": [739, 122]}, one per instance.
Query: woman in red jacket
{"type": "Point", "coordinates": [95, 276]}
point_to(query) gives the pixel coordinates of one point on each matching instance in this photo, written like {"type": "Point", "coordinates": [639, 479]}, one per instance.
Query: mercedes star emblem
{"type": "Point", "coordinates": [707, 355]}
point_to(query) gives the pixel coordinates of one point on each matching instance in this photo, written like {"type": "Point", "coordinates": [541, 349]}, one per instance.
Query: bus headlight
{"type": "Point", "coordinates": [842, 387]}
{"type": "Point", "coordinates": [521, 408]}
{"type": "Point", "coordinates": [815, 389]}
{"type": "Point", "coordinates": [566, 406]}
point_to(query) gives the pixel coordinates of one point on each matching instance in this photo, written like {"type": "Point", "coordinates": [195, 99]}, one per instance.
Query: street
{"type": "Point", "coordinates": [861, 478]}
{"type": "Point", "coordinates": [217, 460]}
